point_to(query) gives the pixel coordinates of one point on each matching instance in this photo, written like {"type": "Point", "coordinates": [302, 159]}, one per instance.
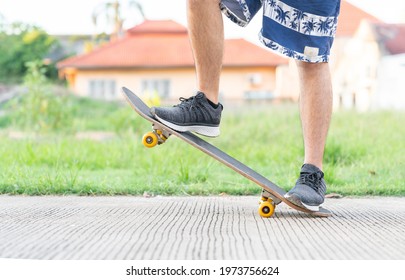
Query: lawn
{"type": "Point", "coordinates": [364, 154]}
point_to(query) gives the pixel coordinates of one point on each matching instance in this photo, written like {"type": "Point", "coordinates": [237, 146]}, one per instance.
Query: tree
{"type": "Point", "coordinates": [19, 44]}
{"type": "Point", "coordinates": [113, 13]}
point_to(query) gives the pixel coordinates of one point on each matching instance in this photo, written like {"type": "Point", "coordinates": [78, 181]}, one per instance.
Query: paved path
{"type": "Point", "coordinates": [196, 228]}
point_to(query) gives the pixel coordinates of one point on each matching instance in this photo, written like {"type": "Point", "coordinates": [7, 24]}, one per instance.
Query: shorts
{"type": "Point", "coordinates": [299, 29]}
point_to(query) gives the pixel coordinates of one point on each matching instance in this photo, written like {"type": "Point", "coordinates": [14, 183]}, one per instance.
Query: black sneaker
{"type": "Point", "coordinates": [196, 114]}
{"type": "Point", "coordinates": [309, 190]}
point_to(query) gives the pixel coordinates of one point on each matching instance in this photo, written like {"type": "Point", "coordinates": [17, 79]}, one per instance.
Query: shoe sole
{"type": "Point", "coordinates": [209, 131]}
{"type": "Point", "coordinates": [297, 201]}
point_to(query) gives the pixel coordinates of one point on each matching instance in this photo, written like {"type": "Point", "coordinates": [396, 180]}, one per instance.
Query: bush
{"type": "Point", "coordinates": [40, 109]}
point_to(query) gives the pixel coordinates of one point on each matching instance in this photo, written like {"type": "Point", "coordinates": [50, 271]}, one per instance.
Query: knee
{"type": "Point", "coordinates": [304, 64]}
{"type": "Point", "coordinates": [309, 65]}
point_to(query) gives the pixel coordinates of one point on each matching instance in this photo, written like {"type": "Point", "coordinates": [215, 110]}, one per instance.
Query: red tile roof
{"type": "Point", "coordinates": [350, 18]}
{"type": "Point", "coordinates": [165, 44]}
{"type": "Point", "coordinates": [157, 27]}
{"type": "Point", "coordinates": [239, 52]}
{"type": "Point", "coordinates": [391, 36]}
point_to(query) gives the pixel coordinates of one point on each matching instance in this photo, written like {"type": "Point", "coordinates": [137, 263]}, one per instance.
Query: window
{"type": "Point", "coordinates": [161, 87]}
{"type": "Point", "coordinates": [255, 79]}
{"type": "Point", "coordinates": [259, 95]}
{"type": "Point", "coordinates": [102, 89]}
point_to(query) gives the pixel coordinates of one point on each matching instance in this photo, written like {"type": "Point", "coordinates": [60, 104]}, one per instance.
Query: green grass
{"type": "Point", "coordinates": [82, 114]}
{"type": "Point", "coordinates": [364, 155]}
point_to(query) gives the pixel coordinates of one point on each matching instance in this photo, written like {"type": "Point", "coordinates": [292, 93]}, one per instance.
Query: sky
{"type": "Point", "coordinates": [74, 16]}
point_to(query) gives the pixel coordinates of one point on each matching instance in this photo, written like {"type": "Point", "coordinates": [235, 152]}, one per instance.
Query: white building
{"type": "Point", "coordinates": [390, 89]}
{"type": "Point", "coordinates": [370, 74]}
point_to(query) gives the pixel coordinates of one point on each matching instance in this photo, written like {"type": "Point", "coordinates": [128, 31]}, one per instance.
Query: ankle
{"type": "Point", "coordinates": [214, 105]}
{"type": "Point", "coordinates": [316, 164]}
{"type": "Point", "coordinates": [211, 95]}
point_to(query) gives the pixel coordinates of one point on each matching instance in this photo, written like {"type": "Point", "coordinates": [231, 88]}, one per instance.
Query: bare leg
{"type": "Point", "coordinates": [316, 108]}
{"type": "Point", "coordinates": [206, 33]}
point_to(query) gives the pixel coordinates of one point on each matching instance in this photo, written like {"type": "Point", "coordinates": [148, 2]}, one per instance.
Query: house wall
{"type": "Point", "coordinates": [181, 80]}
{"type": "Point", "coordinates": [236, 83]}
{"type": "Point", "coordinates": [253, 83]}
{"type": "Point", "coordinates": [390, 93]}
{"type": "Point", "coordinates": [287, 82]}
{"type": "Point", "coordinates": [354, 78]}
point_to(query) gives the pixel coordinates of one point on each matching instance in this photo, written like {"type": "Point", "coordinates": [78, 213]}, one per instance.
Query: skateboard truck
{"type": "Point", "coordinates": [268, 204]}
{"type": "Point", "coordinates": [156, 137]}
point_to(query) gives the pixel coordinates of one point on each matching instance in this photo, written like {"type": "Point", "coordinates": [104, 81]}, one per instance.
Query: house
{"type": "Point", "coordinates": [371, 71]}
{"type": "Point", "coordinates": [155, 56]}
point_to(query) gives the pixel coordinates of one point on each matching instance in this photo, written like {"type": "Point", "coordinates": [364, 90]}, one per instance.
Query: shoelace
{"type": "Point", "coordinates": [314, 180]}
{"type": "Point", "coordinates": [189, 103]}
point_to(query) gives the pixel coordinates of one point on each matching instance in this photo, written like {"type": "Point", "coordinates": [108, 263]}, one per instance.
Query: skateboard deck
{"type": "Point", "coordinates": [271, 193]}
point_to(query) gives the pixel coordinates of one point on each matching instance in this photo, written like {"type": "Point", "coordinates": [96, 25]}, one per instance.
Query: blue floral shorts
{"type": "Point", "coordinates": [300, 29]}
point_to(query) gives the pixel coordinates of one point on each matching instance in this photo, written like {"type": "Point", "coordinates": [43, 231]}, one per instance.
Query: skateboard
{"type": "Point", "coordinates": [272, 194]}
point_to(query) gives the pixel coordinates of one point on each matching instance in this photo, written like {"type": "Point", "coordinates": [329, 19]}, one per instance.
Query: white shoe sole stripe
{"type": "Point", "coordinates": [203, 130]}
{"type": "Point", "coordinates": [309, 207]}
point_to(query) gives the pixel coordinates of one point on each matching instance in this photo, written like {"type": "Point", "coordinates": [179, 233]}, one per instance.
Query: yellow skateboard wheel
{"type": "Point", "coordinates": [150, 140]}
{"type": "Point", "coordinates": [266, 209]}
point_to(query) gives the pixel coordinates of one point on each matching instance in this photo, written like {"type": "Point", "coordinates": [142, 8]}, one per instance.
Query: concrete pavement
{"type": "Point", "coordinates": [196, 228]}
